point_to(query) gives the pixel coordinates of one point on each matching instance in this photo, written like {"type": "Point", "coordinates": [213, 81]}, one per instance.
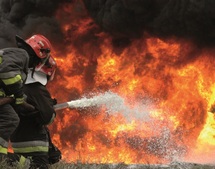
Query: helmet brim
{"type": "Point", "coordinates": [20, 42]}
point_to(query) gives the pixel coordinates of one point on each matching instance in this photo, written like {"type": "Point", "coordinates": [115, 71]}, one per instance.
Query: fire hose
{"type": "Point", "coordinates": [5, 100]}
{"type": "Point", "coordinates": [107, 99]}
{"type": "Point", "coordinates": [61, 106]}
{"type": "Point", "coordinates": [73, 104]}
{"type": "Point", "coordinates": [8, 100]}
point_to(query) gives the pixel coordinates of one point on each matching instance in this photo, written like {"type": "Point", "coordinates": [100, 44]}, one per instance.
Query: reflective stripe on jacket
{"type": "Point", "coordinates": [30, 146]}
{"type": "Point", "coordinates": [3, 146]}
{"type": "Point", "coordinates": [14, 61]}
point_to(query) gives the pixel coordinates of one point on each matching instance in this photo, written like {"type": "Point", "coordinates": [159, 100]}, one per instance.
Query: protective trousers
{"type": "Point", "coordinates": [9, 121]}
{"type": "Point", "coordinates": [30, 140]}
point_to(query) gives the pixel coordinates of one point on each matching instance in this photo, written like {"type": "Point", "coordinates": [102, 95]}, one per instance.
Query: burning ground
{"type": "Point", "coordinates": [158, 55]}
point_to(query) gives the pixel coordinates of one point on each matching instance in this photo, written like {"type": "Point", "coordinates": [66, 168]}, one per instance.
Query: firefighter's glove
{"type": "Point", "coordinates": [25, 97]}
{"type": "Point", "coordinates": [54, 101]}
{"type": "Point", "coordinates": [24, 108]}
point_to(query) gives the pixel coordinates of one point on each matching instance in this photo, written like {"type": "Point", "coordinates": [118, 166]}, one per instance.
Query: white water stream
{"type": "Point", "coordinates": [113, 103]}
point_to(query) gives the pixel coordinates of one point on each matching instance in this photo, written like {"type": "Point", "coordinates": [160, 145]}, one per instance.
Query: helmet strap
{"type": "Point", "coordinates": [32, 73]}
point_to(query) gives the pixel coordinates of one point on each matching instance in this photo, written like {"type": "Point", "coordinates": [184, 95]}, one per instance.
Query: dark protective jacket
{"type": "Point", "coordinates": [40, 98]}
{"type": "Point", "coordinates": [13, 66]}
{"type": "Point", "coordinates": [13, 71]}
{"type": "Point", "coordinates": [13, 61]}
{"type": "Point", "coordinates": [31, 136]}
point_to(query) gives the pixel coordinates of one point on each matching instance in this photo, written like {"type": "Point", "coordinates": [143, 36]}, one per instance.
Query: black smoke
{"type": "Point", "coordinates": [27, 17]}
{"type": "Point", "coordinates": [125, 19]}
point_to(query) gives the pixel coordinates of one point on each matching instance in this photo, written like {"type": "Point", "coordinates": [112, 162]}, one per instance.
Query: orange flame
{"type": "Point", "coordinates": [172, 79]}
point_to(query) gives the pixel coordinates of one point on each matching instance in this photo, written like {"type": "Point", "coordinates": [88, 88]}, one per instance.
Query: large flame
{"type": "Point", "coordinates": [171, 80]}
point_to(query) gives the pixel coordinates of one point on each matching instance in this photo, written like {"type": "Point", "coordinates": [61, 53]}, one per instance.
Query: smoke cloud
{"type": "Point", "coordinates": [26, 17]}
{"type": "Point", "coordinates": [123, 19]}
{"type": "Point", "coordinates": [190, 19]}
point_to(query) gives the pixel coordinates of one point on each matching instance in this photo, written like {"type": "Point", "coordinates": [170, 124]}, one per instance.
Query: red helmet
{"type": "Point", "coordinates": [47, 66]}
{"type": "Point", "coordinates": [40, 44]}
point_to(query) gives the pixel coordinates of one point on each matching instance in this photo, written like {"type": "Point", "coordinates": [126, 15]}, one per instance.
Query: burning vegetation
{"type": "Point", "coordinates": [158, 55]}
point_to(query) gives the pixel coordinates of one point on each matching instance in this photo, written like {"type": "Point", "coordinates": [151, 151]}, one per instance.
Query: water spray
{"type": "Point", "coordinates": [109, 99]}
{"type": "Point", "coordinates": [112, 102]}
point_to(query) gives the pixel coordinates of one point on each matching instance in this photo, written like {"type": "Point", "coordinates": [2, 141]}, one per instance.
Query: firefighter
{"type": "Point", "coordinates": [14, 64]}
{"type": "Point", "coordinates": [32, 139]}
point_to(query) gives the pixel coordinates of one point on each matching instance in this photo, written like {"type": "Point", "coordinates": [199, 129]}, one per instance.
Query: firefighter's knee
{"type": "Point", "coordinates": [14, 122]}
{"type": "Point", "coordinates": [9, 120]}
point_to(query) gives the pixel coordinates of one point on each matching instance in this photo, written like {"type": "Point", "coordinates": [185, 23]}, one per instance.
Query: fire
{"type": "Point", "coordinates": [170, 80]}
